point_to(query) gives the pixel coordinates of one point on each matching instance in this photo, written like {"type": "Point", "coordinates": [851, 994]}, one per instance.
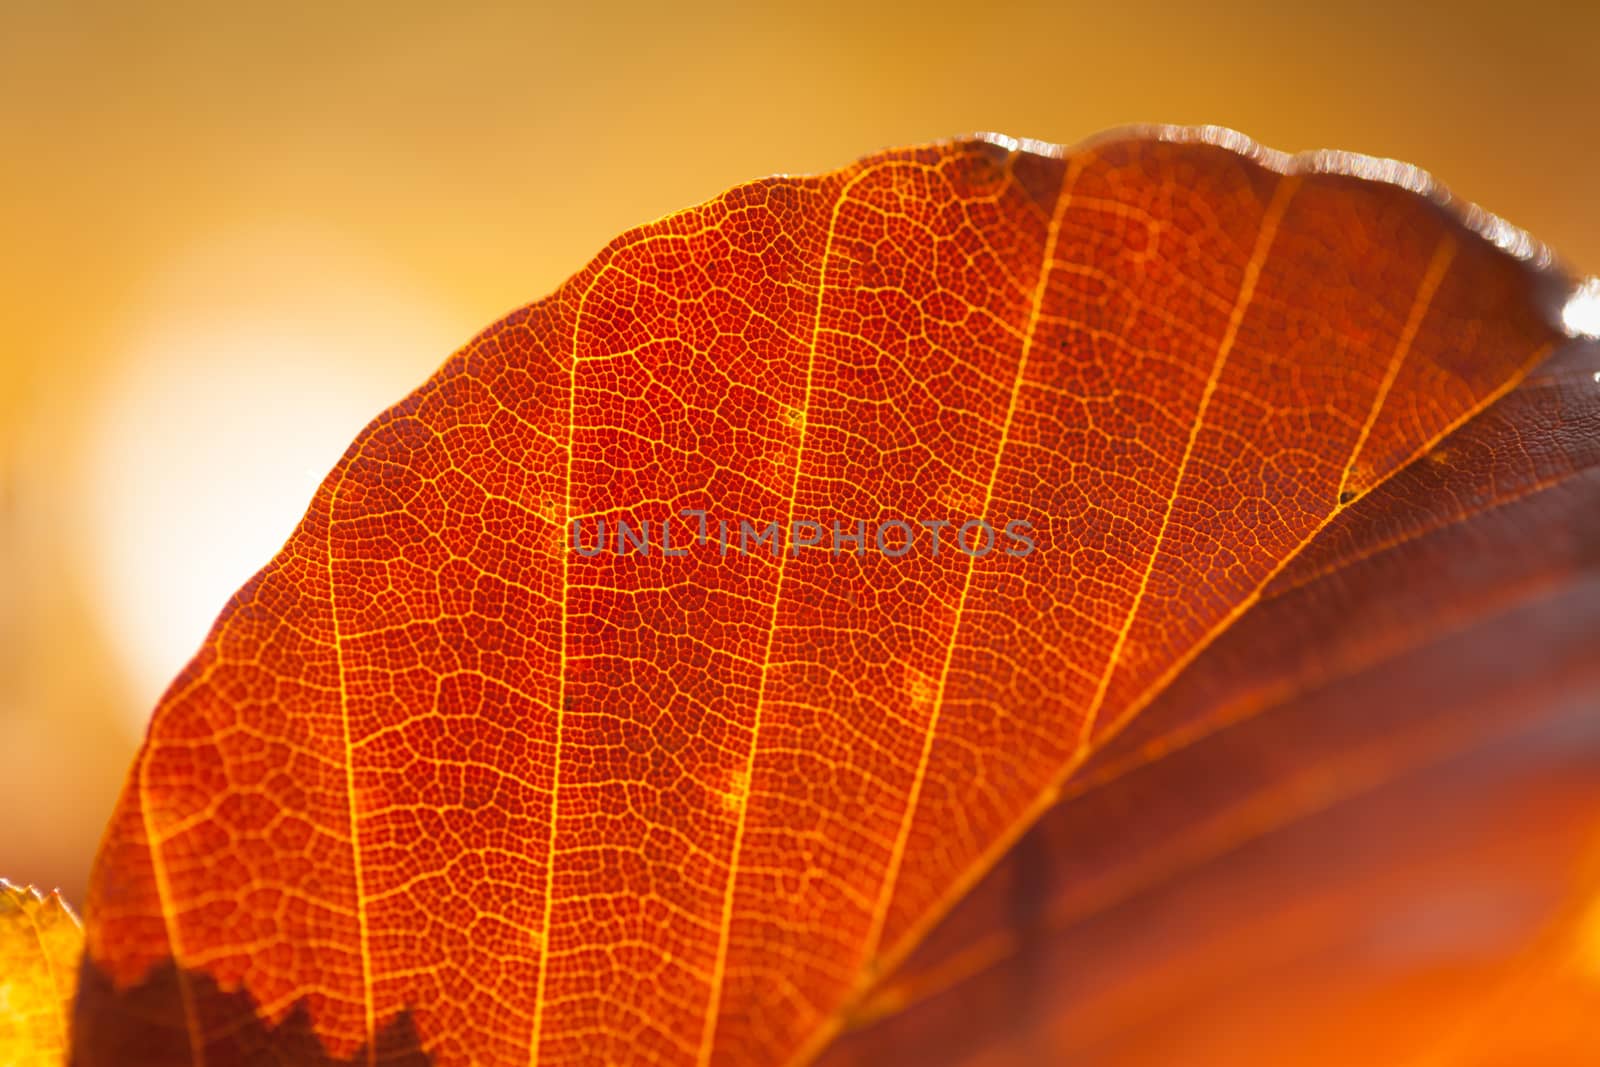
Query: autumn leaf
{"type": "Point", "coordinates": [460, 775]}
{"type": "Point", "coordinates": [40, 942]}
{"type": "Point", "coordinates": [1363, 827]}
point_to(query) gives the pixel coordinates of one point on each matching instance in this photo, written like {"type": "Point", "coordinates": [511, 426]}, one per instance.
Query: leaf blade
{"type": "Point", "coordinates": [396, 695]}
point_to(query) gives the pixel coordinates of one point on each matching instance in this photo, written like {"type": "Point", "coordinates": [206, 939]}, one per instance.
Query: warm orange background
{"type": "Point", "coordinates": [227, 239]}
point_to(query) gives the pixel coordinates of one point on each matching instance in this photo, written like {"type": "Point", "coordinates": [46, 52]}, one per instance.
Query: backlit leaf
{"type": "Point", "coordinates": [439, 784]}
{"type": "Point", "coordinates": [40, 942]}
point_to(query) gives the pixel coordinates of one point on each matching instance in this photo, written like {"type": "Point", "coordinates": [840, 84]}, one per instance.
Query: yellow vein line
{"type": "Point", "coordinates": [535, 1039]}
{"type": "Point", "coordinates": [1459, 517]}
{"type": "Point", "coordinates": [1443, 254]}
{"type": "Point", "coordinates": [158, 867]}
{"type": "Point", "coordinates": [349, 783]}
{"type": "Point", "coordinates": [897, 857]}
{"type": "Point", "coordinates": [1437, 266]}
{"type": "Point", "coordinates": [1245, 710]}
{"type": "Point", "coordinates": [1247, 289]}
{"type": "Point", "coordinates": [719, 968]}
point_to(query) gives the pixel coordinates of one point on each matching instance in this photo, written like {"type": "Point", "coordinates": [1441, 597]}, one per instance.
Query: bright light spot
{"type": "Point", "coordinates": [246, 374]}
{"type": "Point", "coordinates": [1581, 316]}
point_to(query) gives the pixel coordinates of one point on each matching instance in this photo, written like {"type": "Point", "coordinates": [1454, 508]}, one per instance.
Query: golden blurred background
{"type": "Point", "coordinates": [231, 236]}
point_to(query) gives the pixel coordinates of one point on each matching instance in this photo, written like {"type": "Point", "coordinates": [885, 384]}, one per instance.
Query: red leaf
{"type": "Point", "coordinates": [438, 780]}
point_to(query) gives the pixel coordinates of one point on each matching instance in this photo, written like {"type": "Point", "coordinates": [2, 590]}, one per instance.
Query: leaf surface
{"type": "Point", "coordinates": [439, 783]}
{"type": "Point", "coordinates": [40, 942]}
{"type": "Point", "coordinates": [1386, 850]}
